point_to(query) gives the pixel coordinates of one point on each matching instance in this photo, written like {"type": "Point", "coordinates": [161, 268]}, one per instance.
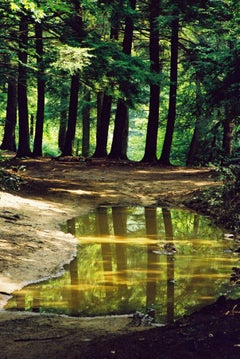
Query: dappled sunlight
{"type": "Point", "coordinates": [78, 192]}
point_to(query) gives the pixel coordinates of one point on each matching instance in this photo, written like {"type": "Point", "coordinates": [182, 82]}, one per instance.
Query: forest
{"type": "Point", "coordinates": [149, 81]}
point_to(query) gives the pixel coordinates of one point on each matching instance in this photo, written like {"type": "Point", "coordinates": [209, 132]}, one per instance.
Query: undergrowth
{"type": "Point", "coordinates": [223, 202]}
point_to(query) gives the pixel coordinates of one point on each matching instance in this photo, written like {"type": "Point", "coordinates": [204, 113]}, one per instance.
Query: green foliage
{"type": "Point", "coordinates": [224, 201]}
{"type": "Point", "coordinates": [229, 173]}
{"type": "Point", "coordinates": [209, 50]}
{"type": "Point", "coordinates": [28, 6]}
{"type": "Point", "coordinates": [73, 59]}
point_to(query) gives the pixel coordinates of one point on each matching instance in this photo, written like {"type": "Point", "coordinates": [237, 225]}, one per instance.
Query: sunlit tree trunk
{"type": "Point", "coordinates": [37, 147]}
{"type": "Point", "coordinates": [24, 141]}
{"type": "Point", "coordinates": [153, 116]}
{"type": "Point", "coordinates": [165, 155]}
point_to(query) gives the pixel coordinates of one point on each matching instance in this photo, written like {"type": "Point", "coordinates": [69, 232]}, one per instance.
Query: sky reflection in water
{"type": "Point", "coordinates": [133, 258]}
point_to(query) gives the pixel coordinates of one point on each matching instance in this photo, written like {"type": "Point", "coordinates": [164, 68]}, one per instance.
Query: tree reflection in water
{"type": "Point", "coordinates": [123, 265]}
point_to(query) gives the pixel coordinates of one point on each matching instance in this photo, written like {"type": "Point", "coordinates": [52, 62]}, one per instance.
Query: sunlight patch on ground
{"type": "Point", "coordinates": [73, 191]}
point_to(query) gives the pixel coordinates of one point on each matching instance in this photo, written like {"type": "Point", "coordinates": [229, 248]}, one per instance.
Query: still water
{"type": "Point", "coordinates": [133, 258]}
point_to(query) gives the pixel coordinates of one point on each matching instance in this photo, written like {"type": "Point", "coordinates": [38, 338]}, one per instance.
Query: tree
{"type": "Point", "coordinates": [105, 99]}
{"type": "Point", "coordinates": [76, 35]}
{"type": "Point", "coordinates": [166, 150]}
{"type": "Point", "coordinates": [72, 116]}
{"type": "Point", "coordinates": [8, 142]}
{"type": "Point", "coordinates": [24, 141]}
{"type": "Point", "coordinates": [37, 148]}
{"type": "Point", "coordinates": [197, 129]}
{"type": "Point", "coordinates": [86, 123]}
{"type": "Point", "coordinates": [104, 113]}
{"type": "Point", "coordinates": [153, 117]}
{"type": "Point", "coordinates": [120, 134]}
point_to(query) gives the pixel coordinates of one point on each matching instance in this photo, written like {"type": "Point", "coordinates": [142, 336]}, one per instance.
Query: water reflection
{"type": "Point", "coordinates": [136, 258]}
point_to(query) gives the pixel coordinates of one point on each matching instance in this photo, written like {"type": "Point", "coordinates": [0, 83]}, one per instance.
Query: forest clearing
{"type": "Point", "coordinates": [53, 191]}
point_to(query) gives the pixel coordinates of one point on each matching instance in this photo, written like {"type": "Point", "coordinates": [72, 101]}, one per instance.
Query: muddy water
{"type": "Point", "coordinates": [132, 259]}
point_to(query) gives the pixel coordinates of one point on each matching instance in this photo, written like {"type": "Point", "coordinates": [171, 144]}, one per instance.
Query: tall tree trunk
{"type": "Point", "coordinates": [105, 114]}
{"type": "Point", "coordinates": [228, 127]}
{"type": "Point", "coordinates": [63, 118]}
{"type": "Point", "coordinates": [72, 116]}
{"type": "Point", "coordinates": [37, 147]}
{"type": "Point", "coordinates": [166, 150]}
{"type": "Point", "coordinates": [121, 126]}
{"type": "Point", "coordinates": [62, 129]}
{"type": "Point", "coordinates": [153, 116]}
{"type": "Point", "coordinates": [24, 142]}
{"type": "Point", "coordinates": [196, 134]}
{"type": "Point", "coordinates": [120, 134]}
{"type": "Point", "coordinates": [8, 142]}
{"type": "Point", "coordinates": [86, 124]}
{"type": "Point", "coordinates": [102, 127]}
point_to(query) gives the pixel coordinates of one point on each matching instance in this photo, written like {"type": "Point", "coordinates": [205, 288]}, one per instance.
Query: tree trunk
{"type": "Point", "coordinates": [153, 116]}
{"type": "Point", "coordinates": [165, 156]}
{"type": "Point", "coordinates": [228, 127]}
{"type": "Point", "coordinates": [62, 129]}
{"type": "Point", "coordinates": [72, 116]}
{"type": "Point", "coordinates": [104, 116]}
{"type": "Point", "coordinates": [119, 144]}
{"type": "Point", "coordinates": [23, 144]}
{"type": "Point", "coordinates": [63, 118]}
{"type": "Point", "coordinates": [102, 127]}
{"type": "Point", "coordinates": [37, 148]}
{"type": "Point", "coordinates": [8, 142]}
{"type": "Point", "coordinates": [121, 126]}
{"type": "Point", "coordinates": [196, 134]}
{"type": "Point", "coordinates": [86, 125]}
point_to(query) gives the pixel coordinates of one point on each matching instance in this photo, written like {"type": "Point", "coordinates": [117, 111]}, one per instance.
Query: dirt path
{"type": "Point", "coordinates": [33, 247]}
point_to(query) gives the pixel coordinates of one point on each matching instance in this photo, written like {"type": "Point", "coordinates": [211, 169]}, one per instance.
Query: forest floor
{"type": "Point", "coordinates": [32, 248]}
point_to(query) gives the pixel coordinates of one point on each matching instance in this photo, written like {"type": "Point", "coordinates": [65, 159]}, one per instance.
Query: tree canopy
{"type": "Point", "coordinates": [152, 81]}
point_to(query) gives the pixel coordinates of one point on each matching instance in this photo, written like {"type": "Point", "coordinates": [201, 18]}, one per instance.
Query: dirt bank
{"type": "Point", "coordinates": [33, 247]}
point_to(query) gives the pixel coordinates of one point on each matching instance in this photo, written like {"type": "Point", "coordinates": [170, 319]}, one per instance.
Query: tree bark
{"type": "Point", "coordinates": [228, 128]}
{"type": "Point", "coordinates": [153, 116]}
{"type": "Point", "coordinates": [165, 156]}
{"type": "Point", "coordinates": [24, 142]}
{"type": "Point", "coordinates": [72, 116]}
{"type": "Point", "coordinates": [102, 127]}
{"type": "Point", "coordinates": [196, 134]}
{"type": "Point", "coordinates": [121, 125]}
{"type": "Point", "coordinates": [86, 124]}
{"type": "Point", "coordinates": [8, 142]}
{"type": "Point", "coordinates": [37, 147]}
{"type": "Point", "coordinates": [62, 129]}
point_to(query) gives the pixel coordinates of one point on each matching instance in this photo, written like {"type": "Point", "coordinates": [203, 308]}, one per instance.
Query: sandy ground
{"type": "Point", "coordinates": [32, 246]}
